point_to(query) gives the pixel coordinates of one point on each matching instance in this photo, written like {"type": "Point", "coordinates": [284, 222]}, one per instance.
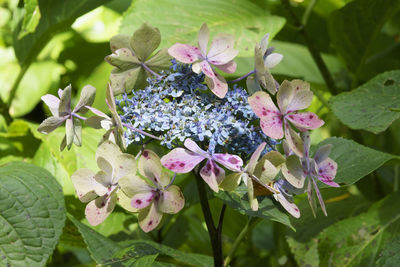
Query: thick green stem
{"type": "Point", "coordinates": [14, 88]}
{"type": "Point", "coordinates": [213, 232]}
{"type": "Point", "coordinates": [250, 223]}
{"type": "Point", "coordinates": [316, 55]}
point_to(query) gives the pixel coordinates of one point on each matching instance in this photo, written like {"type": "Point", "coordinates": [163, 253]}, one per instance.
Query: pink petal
{"type": "Point", "coordinates": [192, 146]}
{"type": "Point", "coordinates": [207, 70]}
{"type": "Point", "coordinates": [288, 206]}
{"type": "Point", "coordinates": [171, 200]}
{"type": "Point", "coordinates": [254, 157]}
{"type": "Point", "coordinates": [229, 67]}
{"type": "Point", "coordinates": [149, 218]}
{"type": "Point", "coordinates": [300, 100]}
{"type": "Point", "coordinates": [212, 174]}
{"type": "Point", "coordinates": [98, 210]}
{"type": "Point", "coordinates": [217, 85]}
{"type": "Point", "coordinates": [220, 44]}
{"type": "Point", "coordinates": [203, 37]}
{"type": "Point", "coordinates": [320, 199]}
{"type": "Point", "coordinates": [223, 58]}
{"type": "Point", "coordinates": [262, 104]}
{"type": "Point", "coordinates": [181, 160]}
{"type": "Point", "coordinates": [142, 200]}
{"type": "Point", "coordinates": [184, 53]}
{"type": "Point", "coordinates": [293, 140]}
{"type": "Point", "coordinates": [327, 172]}
{"type": "Point", "coordinates": [272, 126]}
{"type": "Point", "coordinates": [231, 162]}
{"type": "Point", "coordinates": [285, 95]}
{"type": "Point", "coordinates": [305, 120]}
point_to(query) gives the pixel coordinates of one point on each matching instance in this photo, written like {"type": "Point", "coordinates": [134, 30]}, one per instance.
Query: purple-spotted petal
{"type": "Point", "coordinates": [180, 160]}
{"type": "Point", "coordinates": [85, 184]}
{"type": "Point", "coordinates": [149, 218]}
{"type": "Point", "coordinates": [327, 172]}
{"type": "Point", "coordinates": [142, 200]}
{"type": "Point", "coordinates": [262, 105]}
{"type": "Point", "coordinates": [99, 209]}
{"type": "Point", "coordinates": [171, 200]}
{"type": "Point", "coordinates": [229, 67]}
{"type": "Point", "coordinates": [192, 146]}
{"type": "Point", "coordinates": [220, 45]}
{"type": "Point", "coordinates": [288, 206]}
{"type": "Point", "coordinates": [217, 85]}
{"type": "Point", "coordinates": [184, 53]}
{"type": "Point", "coordinates": [212, 174]}
{"type": "Point", "coordinates": [293, 140]}
{"type": "Point", "coordinates": [305, 120]}
{"type": "Point", "coordinates": [231, 162]}
{"type": "Point", "coordinates": [150, 167]}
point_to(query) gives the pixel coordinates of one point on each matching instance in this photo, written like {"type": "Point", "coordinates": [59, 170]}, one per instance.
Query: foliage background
{"type": "Point", "coordinates": [46, 45]}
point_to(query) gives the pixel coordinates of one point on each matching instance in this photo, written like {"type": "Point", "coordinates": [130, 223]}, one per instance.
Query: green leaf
{"type": "Point", "coordinates": [345, 243]}
{"type": "Point", "coordinates": [100, 247]}
{"type": "Point", "coordinates": [140, 248]}
{"type": "Point", "coordinates": [354, 160]}
{"type": "Point", "coordinates": [390, 254]}
{"type": "Point", "coordinates": [31, 18]}
{"type": "Point", "coordinates": [180, 21]}
{"type": "Point", "coordinates": [355, 28]}
{"type": "Point", "coordinates": [56, 16]}
{"type": "Point", "coordinates": [145, 41]}
{"type": "Point", "coordinates": [267, 208]}
{"type": "Point", "coordinates": [32, 214]}
{"type": "Point", "coordinates": [368, 107]}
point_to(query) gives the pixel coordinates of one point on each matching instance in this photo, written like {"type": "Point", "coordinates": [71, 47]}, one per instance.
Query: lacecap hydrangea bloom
{"type": "Point", "coordinates": [177, 106]}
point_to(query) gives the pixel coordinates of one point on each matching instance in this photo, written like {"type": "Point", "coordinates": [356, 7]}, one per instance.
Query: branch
{"type": "Point", "coordinates": [312, 48]}
{"type": "Point", "coordinates": [213, 232]}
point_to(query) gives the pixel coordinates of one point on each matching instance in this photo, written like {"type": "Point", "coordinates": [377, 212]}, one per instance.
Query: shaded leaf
{"type": "Point", "coordinates": [368, 107]}
{"type": "Point", "coordinates": [31, 17]}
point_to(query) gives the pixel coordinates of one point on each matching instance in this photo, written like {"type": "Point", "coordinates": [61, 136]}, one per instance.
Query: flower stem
{"type": "Point", "coordinates": [213, 232]}
{"type": "Point", "coordinates": [150, 70]}
{"type": "Point", "coordinates": [316, 55]}
{"type": "Point", "coordinates": [243, 77]}
{"type": "Point", "coordinates": [250, 223]}
{"type": "Point", "coordinates": [140, 131]}
{"type": "Point", "coordinates": [78, 116]}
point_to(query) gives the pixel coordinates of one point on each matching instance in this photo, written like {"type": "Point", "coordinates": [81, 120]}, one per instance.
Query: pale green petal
{"type": "Point", "coordinates": [132, 185]}
{"type": "Point", "coordinates": [171, 200]}
{"type": "Point", "coordinates": [149, 218]}
{"type": "Point", "coordinates": [84, 183]}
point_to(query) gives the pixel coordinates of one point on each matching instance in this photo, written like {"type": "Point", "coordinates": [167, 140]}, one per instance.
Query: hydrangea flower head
{"type": "Point", "coordinates": [220, 54]}
{"type": "Point", "coordinates": [276, 122]}
{"type": "Point", "coordinates": [154, 197]}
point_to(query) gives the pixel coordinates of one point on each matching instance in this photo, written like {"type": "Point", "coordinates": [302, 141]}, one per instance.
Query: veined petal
{"type": "Point", "coordinates": [204, 35]}
{"type": "Point", "coordinates": [272, 60]}
{"type": "Point", "coordinates": [99, 209]}
{"type": "Point", "coordinates": [50, 124]}
{"type": "Point", "coordinates": [252, 198]}
{"type": "Point", "coordinates": [327, 172]}
{"type": "Point", "coordinates": [254, 158]}
{"type": "Point", "coordinates": [184, 53]}
{"type": "Point", "coordinates": [104, 180]}
{"type": "Point", "coordinates": [272, 126]}
{"type": "Point", "coordinates": [299, 101]}
{"type": "Point", "coordinates": [231, 181]}
{"type": "Point", "coordinates": [132, 185]}
{"type": "Point", "coordinates": [149, 218]}
{"type": "Point", "coordinates": [288, 206]}
{"type": "Point", "coordinates": [109, 152]}
{"type": "Point", "coordinates": [212, 174]}
{"type": "Point", "coordinates": [220, 44]}
{"type": "Point", "coordinates": [262, 105]}
{"type": "Point", "coordinates": [142, 200]}
{"type": "Point", "coordinates": [180, 160]}
{"type": "Point", "coordinates": [217, 85]}
{"type": "Point", "coordinates": [84, 183]}
{"type": "Point", "coordinates": [229, 67]}
{"type": "Point", "coordinates": [150, 166]}
{"type": "Point", "coordinates": [52, 102]}
{"type": "Point", "coordinates": [320, 199]}
{"type": "Point", "coordinates": [293, 171]}
{"type": "Point", "coordinates": [171, 200]}
{"type": "Point", "coordinates": [224, 57]}
{"type": "Point", "coordinates": [285, 95]}
{"type": "Point", "coordinates": [305, 120]}
{"type": "Point", "coordinates": [192, 146]}
{"type": "Point", "coordinates": [293, 140]}
{"type": "Point", "coordinates": [231, 162]}
{"type": "Point", "coordinates": [125, 202]}
{"type": "Point", "coordinates": [322, 153]}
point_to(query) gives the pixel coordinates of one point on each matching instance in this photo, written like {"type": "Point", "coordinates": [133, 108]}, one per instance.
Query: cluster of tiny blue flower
{"type": "Point", "coordinates": [177, 105]}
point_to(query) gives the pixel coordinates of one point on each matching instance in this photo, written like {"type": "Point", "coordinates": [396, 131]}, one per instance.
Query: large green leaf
{"type": "Point", "coordinates": [267, 208]}
{"type": "Point", "coordinates": [143, 248]}
{"type": "Point", "coordinates": [31, 17]}
{"type": "Point", "coordinates": [56, 16]}
{"type": "Point", "coordinates": [355, 27]}
{"type": "Point", "coordinates": [180, 20]}
{"type": "Point", "coordinates": [350, 241]}
{"type": "Point", "coordinates": [354, 160]}
{"type": "Point", "coordinates": [368, 107]}
{"type": "Point", "coordinates": [32, 214]}
{"type": "Point", "coordinates": [390, 254]}
{"type": "Point", "coordinates": [100, 247]}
